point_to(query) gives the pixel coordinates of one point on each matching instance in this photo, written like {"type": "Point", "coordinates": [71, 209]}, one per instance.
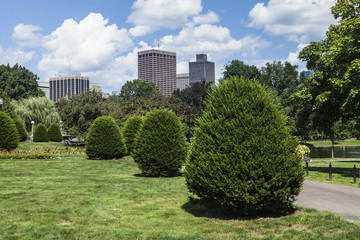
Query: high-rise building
{"type": "Point", "coordinates": [44, 86]}
{"type": "Point", "coordinates": [95, 87]}
{"type": "Point", "coordinates": [201, 69]}
{"type": "Point", "coordinates": [159, 67]}
{"type": "Point", "coordinates": [62, 86]}
{"type": "Point", "coordinates": [182, 81]}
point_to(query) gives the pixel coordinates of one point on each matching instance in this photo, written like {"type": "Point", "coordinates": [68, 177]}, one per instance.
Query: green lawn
{"type": "Point", "coordinates": [327, 143]}
{"type": "Point", "coordinates": [76, 198]}
{"type": "Point", "coordinates": [342, 171]}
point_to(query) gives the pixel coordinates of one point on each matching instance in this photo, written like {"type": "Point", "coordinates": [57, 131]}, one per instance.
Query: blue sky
{"type": "Point", "coordinates": [100, 38]}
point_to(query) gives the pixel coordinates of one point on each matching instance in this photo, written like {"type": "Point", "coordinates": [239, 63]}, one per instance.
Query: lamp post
{"type": "Point", "coordinates": [1, 103]}
{"type": "Point", "coordinates": [61, 125]}
{"type": "Point", "coordinates": [32, 129]}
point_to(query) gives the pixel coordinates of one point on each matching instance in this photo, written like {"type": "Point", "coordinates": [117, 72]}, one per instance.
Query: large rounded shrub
{"type": "Point", "coordinates": [23, 135]}
{"type": "Point", "coordinates": [130, 130]}
{"type": "Point", "coordinates": [243, 158]}
{"type": "Point", "coordinates": [104, 140]}
{"type": "Point", "coordinates": [160, 148]}
{"type": "Point", "coordinates": [9, 136]}
{"type": "Point", "coordinates": [40, 133]}
{"type": "Point", "coordinates": [54, 133]}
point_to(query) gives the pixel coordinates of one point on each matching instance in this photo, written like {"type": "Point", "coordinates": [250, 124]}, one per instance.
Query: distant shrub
{"type": "Point", "coordinates": [160, 148]}
{"type": "Point", "coordinates": [303, 151]}
{"type": "Point", "coordinates": [54, 133]}
{"type": "Point", "coordinates": [40, 133]}
{"type": "Point", "coordinates": [104, 140]}
{"type": "Point", "coordinates": [242, 158]}
{"type": "Point", "coordinates": [130, 130]}
{"type": "Point", "coordinates": [9, 136]}
{"type": "Point", "coordinates": [20, 126]}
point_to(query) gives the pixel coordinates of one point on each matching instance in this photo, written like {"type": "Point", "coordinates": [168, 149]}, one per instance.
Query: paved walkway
{"type": "Point", "coordinates": [342, 200]}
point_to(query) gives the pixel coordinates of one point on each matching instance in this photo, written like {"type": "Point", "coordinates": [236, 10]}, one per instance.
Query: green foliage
{"type": "Point", "coordinates": [331, 93]}
{"type": "Point", "coordinates": [18, 82]}
{"type": "Point", "coordinates": [242, 158]}
{"type": "Point", "coordinates": [139, 88]}
{"type": "Point", "coordinates": [37, 109]}
{"type": "Point", "coordinates": [130, 130]}
{"type": "Point", "coordinates": [40, 133]}
{"type": "Point", "coordinates": [23, 135]}
{"type": "Point", "coordinates": [6, 107]}
{"type": "Point", "coordinates": [9, 136]}
{"type": "Point", "coordinates": [80, 111]}
{"type": "Point", "coordinates": [160, 147]}
{"type": "Point", "coordinates": [239, 68]}
{"type": "Point", "coordinates": [303, 151]}
{"type": "Point", "coordinates": [54, 133]}
{"type": "Point", "coordinates": [104, 140]}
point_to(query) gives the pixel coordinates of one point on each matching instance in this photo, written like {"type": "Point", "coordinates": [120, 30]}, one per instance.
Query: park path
{"type": "Point", "coordinates": [342, 200]}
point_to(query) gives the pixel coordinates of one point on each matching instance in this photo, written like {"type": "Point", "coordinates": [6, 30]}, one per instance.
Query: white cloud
{"type": "Point", "coordinates": [12, 56]}
{"type": "Point", "coordinates": [201, 39]}
{"type": "Point", "coordinates": [152, 15]}
{"type": "Point", "coordinates": [86, 46]}
{"type": "Point", "coordinates": [297, 20]}
{"type": "Point", "coordinates": [210, 17]}
{"type": "Point", "coordinates": [293, 57]}
{"type": "Point", "coordinates": [139, 31]}
{"type": "Point", "coordinates": [26, 36]}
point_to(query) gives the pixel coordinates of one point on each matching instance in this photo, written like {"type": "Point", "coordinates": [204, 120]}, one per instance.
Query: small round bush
{"type": "Point", "coordinates": [23, 135]}
{"type": "Point", "coordinates": [130, 130]}
{"type": "Point", "coordinates": [104, 140]}
{"type": "Point", "coordinates": [40, 133]}
{"type": "Point", "coordinates": [9, 136]}
{"type": "Point", "coordinates": [160, 148]}
{"type": "Point", "coordinates": [243, 159]}
{"type": "Point", "coordinates": [54, 133]}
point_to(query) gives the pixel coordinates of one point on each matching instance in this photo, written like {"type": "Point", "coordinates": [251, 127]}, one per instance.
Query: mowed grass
{"type": "Point", "coordinates": [342, 171]}
{"type": "Point", "coordinates": [327, 143]}
{"type": "Point", "coordinates": [76, 198]}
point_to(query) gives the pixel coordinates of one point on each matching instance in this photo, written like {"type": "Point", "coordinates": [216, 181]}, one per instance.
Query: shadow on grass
{"type": "Point", "coordinates": [179, 174]}
{"type": "Point", "coordinates": [198, 208]}
{"type": "Point", "coordinates": [344, 172]}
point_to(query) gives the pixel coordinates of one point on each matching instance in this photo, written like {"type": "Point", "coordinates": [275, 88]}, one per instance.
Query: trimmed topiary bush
{"type": "Point", "coordinates": [160, 148]}
{"type": "Point", "coordinates": [130, 130]}
{"type": "Point", "coordinates": [40, 133]}
{"type": "Point", "coordinates": [104, 140]}
{"type": "Point", "coordinates": [54, 133]}
{"type": "Point", "coordinates": [9, 136]}
{"type": "Point", "coordinates": [23, 135]}
{"type": "Point", "coordinates": [243, 158]}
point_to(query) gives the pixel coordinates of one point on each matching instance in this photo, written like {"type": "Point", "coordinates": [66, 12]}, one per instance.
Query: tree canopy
{"type": "Point", "coordinates": [331, 93]}
{"type": "Point", "coordinates": [18, 82]}
{"type": "Point", "coordinates": [139, 88]}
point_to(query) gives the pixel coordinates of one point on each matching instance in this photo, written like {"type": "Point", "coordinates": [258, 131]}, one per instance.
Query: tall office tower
{"type": "Point", "coordinates": [182, 81]}
{"type": "Point", "coordinates": [63, 86]}
{"type": "Point", "coordinates": [159, 67]}
{"type": "Point", "coordinates": [201, 69]}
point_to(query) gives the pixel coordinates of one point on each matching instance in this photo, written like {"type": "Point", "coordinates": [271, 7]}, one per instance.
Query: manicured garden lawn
{"type": "Point", "coordinates": [342, 171]}
{"type": "Point", "coordinates": [76, 198]}
{"type": "Point", "coordinates": [327, 143]}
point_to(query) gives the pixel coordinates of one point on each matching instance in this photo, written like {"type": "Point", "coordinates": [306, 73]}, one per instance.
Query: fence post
{"type": "Point", "coordinates": [354, 173]}
{"type": "Point", "coordinates": [330, 174]}
{"type": "Point", "coordinates": [307, 168]}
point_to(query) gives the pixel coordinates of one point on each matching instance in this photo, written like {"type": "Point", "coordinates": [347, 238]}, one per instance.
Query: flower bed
{"type": "Point", "coordinates": [39, 153]}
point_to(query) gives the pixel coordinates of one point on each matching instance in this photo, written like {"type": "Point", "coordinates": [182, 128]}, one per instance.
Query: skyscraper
{"type": "Point", "coordinates": [201, 69]}
{"type": "Point", "coordinates": [67, 85]}
{"type": "Point", "coordinates": [159, 67]}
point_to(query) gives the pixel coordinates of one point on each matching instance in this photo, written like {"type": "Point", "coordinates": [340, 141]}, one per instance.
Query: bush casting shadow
{"type": "Point", "coordinates": [199, 208]}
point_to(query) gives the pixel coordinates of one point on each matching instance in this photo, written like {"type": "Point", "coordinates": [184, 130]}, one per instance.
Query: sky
{"type": "Point", "coordinates": [100, 38]}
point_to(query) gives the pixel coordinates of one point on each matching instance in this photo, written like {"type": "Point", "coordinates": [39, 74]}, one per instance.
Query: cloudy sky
{"type": "Point", "coordinates": [100, 38]}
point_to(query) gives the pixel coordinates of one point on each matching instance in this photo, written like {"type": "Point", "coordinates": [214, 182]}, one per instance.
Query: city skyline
{"type": "Point", "coordinates": [100, 39]}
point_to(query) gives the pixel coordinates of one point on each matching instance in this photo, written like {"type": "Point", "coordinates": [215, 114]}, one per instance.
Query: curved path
{"type": "Point", "coordinates": [342, 200]}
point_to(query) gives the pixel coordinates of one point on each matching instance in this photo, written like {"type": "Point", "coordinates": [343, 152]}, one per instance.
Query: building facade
{"type": "Point", "coordinates": [64, 86]}
{"type": "Point", "coordinates": [201, 69]}
{"type": "Point", "coordinates": [159, 67]}
{"type": "Point", "coordinates": [95, 87]}
{"type": "Point", "coordinates": [182, 81]}
{"type": "Point", "coordinates": [44, 86]}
